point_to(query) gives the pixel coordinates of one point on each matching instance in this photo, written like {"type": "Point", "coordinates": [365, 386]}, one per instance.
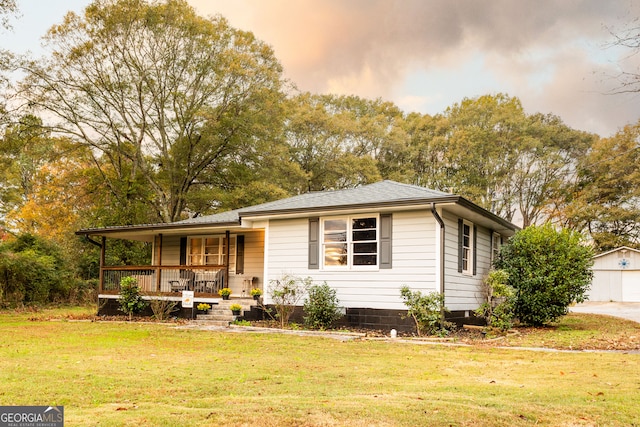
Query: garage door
{"type": "Point", "coordinates": [631, 286]}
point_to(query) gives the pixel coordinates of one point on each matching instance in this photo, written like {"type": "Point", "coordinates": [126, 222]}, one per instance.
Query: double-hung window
{"type": "Point", "coordinates": [350, 242]}
{"type": "Point", "coordinates": [466, 247]}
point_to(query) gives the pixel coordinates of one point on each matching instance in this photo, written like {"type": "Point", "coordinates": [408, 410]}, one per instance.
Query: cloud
{"type": "Point", "coordinates": [369, 47]}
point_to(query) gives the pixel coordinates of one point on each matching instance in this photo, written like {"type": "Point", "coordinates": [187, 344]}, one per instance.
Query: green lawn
{"type": "Point", "coordinates": [145, 374]}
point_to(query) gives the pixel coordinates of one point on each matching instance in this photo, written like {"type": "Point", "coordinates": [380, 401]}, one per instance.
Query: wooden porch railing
{"type": "Point", "coordinates": [166, 279]}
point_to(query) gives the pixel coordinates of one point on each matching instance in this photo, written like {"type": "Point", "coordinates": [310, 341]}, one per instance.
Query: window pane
{"type": "Point", "coordinates": [363, 223]}
{"type": "Point", "coordinates": [335, 254]}
{"type": "Point", "coordinates": [335, 236]}
{"type": "Point", "coordinates": [196, 246]}
{"type": "Point", "coordinates": [335, 230]}
{"type": "Point", "coordinates": [335, 224]}
{"type": "Point", "coordinates": [365, 248]}
{"type": "Point", "coordinates": [364, 259]}
{"type": "Point", "coordinates": [364, 235]}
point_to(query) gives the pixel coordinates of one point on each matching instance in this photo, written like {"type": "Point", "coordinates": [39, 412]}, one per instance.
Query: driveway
{"type": "Point", "coordinates": [626, 310]}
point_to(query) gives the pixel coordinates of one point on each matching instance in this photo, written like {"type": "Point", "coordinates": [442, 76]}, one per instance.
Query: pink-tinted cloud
{"type": "Point", "coordinates": [369, 47]}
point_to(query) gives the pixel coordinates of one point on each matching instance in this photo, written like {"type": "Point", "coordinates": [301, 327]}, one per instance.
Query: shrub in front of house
{"type": "Point", "coordinates": [130, 300]}
{"type": "Point", "coordinates": [285, 293]}
{"type": "Point", "coordinates": [549, 269]}
{"type": "Point", "coordinates": [497, 309]}
{"type": "Point", "coordinates": [321, 307]}
{"type": "Point", "coordinates": [427, 311]}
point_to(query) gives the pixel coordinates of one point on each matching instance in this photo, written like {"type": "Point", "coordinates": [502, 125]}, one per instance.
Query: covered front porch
{"type": "Point", "coordinates": [192, 256]}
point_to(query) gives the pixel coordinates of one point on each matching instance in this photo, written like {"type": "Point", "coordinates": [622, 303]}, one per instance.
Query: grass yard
{"type": "Point", "coordinates": [146, 374]}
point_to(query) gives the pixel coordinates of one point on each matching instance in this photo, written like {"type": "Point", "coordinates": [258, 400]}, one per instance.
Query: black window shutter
{"type": "Point", "coordinates": [240, 254]}
{"type": "Point", "coordinates": [314, 244]}
{"type": "Point", "coordinates": [183, 251]}
{"type": "Point", "coordinates": [460, 243]}
{"type": "Point", "coordinates": [475, 246]}
{"type": "Point", "coordinates": [386, 231]}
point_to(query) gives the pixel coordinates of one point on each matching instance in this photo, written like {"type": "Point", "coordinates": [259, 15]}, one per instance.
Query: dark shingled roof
{"type": "Point", "coordinates": [383, 192]}
{"type": "Point", "coordinates": [381, 195]}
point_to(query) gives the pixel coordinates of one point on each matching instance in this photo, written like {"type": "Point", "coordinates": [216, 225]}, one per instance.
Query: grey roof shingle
{"type": "Point", "coordinates": [379, 192]}
{"type": "Point", "coordinates": [381, 195]}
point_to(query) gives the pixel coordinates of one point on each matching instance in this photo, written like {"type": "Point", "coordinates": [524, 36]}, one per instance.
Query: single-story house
{"type": "Point", "coordinates": [366, 243]}
{"type": "Point", "coordinates": [616, 276]}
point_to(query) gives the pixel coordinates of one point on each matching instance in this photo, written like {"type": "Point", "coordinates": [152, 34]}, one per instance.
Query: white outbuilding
{"type": "Point", "coordinates": [616, 276]}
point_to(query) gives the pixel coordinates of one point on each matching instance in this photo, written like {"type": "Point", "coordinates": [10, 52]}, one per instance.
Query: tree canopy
{"type": "Point", "coordinates": [163, 97]}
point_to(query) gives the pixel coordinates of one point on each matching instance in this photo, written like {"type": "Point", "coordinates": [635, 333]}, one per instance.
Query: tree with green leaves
{"type": "Point", "coordinates": [605, 202]}
{"type": "Point", "coordinates": [549, 269]}
{"type": "Point", "coordinates": [336, 140]}
{"type": "Point", "coordinates": [33, 271]}
{"type": "Point", "coordinates": [416, 154]}
{"type": "Point", "coordinates": [547, 157]}
{"type": "Point", "coordinates": [480, 150]}
{"type": "Point", "coordinates": [164, 98]}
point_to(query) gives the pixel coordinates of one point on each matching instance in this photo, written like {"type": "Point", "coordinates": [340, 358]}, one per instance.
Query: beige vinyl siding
{"type": "Point", "coordinates": [462, 291]}
{"type": "Point", "coordinates": [253, 261]}
{"type": "Point", "coordinates": [170, 250]}
{"type": "Point", "coordinates": [414, 261]}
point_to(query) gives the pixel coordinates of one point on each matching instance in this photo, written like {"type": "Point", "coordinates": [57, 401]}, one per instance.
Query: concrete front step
{"type": "Point", "coordinates": [220, 314]}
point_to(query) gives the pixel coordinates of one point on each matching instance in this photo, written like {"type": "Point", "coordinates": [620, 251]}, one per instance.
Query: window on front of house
{"type": "Point", "coordinates": [211, 250]}
{"type": "Point", "coordinates": [350, 242]}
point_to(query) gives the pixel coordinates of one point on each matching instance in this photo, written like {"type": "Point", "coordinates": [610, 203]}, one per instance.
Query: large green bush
{"type": "Point", "coordinates": [321, 307]}
{"type": "Point", "coordinates": [549, 270]}
{"type": "Point", "coordinates": [33, 271]}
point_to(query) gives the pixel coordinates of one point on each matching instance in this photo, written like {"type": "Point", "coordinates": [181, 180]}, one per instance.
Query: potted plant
{"type": "Point", "coordinates": [203, 307]}
{"type": "Point", "coordinates": [256, 293]}
{"type": "Point", "coordinates": [235, 309]}
{"type": "Point", "coordinates": [225, 293]}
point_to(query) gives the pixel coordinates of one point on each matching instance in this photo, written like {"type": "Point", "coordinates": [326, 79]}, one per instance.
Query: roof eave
{"type": "Point", "coordinates": [105, 231]}
{"type": "Point", "coordinates": [480, 210]}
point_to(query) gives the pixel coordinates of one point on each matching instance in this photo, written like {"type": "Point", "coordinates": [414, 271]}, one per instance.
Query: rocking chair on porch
{"type": "Point", "coordinates": [209, 281]}
{"type": "Point", "coordinates": [184, 281]}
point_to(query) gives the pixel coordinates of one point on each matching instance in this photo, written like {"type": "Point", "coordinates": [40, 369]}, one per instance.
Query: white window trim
{"type": "Point", "coordinates": [350, 266]}
{"type": "Point", "coordinates": [469, 270]}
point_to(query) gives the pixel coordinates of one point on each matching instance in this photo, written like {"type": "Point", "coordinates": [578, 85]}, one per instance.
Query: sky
{"type": "Point", "coordinates": [427, 55]}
